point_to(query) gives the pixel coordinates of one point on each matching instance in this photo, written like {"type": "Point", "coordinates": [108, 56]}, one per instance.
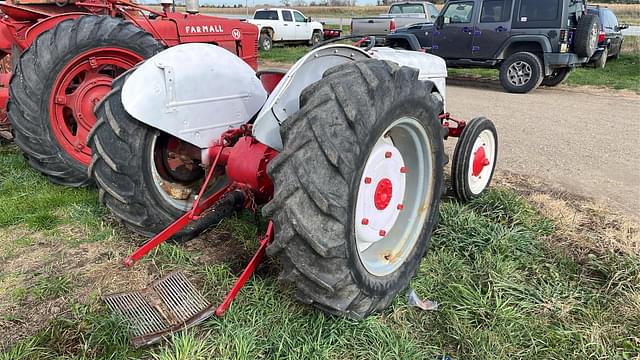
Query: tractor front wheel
{"type": "Point", "coordinates": [57, 83]}
{"type": "Point", "coordinates": [357, 186]}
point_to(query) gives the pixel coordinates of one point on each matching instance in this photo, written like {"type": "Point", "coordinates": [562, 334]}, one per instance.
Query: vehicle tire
{"type": "Point", "coordinates": [130, 177]}
{"type": "Point", "coordinates": [474, 159]}
{"type": "Point", "coordinates": [338, 259]}
{"type": "Point", "coordinates": [57, 82]}
{"type": "Point", "coordinates": [266, 43]}
{"type": "Point", "coordinates": [558, 76]}
{"type": "Point", "coordinates": [601, 63]}
{"type": "Point", "coordinates": [586, 37]}
{"type": "Point", "coordinates": [316, 38]}
{"type": "Point", "coordinates": [521, 72]}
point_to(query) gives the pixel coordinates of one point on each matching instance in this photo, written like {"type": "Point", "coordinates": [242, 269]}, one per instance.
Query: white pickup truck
{"type": "Point", "coordinates": [285, 25]}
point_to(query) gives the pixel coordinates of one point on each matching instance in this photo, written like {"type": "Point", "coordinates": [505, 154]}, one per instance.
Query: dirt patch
{"type": "Point", "coordinates": [583, 225]}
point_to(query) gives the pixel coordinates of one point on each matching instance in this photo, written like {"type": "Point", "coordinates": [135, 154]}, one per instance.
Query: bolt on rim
{"type": "Point", "coordinates": [481, 162]}
{"type": "Point", "coordinates": [392, 199]}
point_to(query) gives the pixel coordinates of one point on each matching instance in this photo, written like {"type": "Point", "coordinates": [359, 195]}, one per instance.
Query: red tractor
{"type": "Point", "coordinates": [64, 55]}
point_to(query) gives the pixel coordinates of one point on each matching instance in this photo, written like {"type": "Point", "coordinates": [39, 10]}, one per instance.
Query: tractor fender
{"type": "Point", "coordinates": [34, 31]}
{"type": "Point", "coordinates": [285, 98]}
{"type": "Point", "coordinates": [194, 92]}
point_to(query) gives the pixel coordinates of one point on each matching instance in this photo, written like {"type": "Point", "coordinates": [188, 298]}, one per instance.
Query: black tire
{"type": "Point", "coordinates": [120, 167]}
{"type": "Point", "coordinates": [535, 68]}
{"type": "Point", "coordinates": [586, 36]}
{"type": "Point", "coordinates": [462, 155]}
{"type": "Point", "coordinates": [266, 43]}
{"type": "Point", "coordinates": [316, 38]}
{"type": "Point", "coordinates": [35, 75]}
{"type": "Point", "coordinates": [558, 76]}
{"type": "Point", "coordinates": [601, 63]}
{"type": "Point", "coordinates": [316, 178]}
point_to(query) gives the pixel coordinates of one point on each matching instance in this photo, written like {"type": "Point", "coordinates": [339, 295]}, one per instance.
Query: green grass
{"type": "Point", "coordinates": [504, 292]}
{"type": "Point", "coordinates": [623, 73]}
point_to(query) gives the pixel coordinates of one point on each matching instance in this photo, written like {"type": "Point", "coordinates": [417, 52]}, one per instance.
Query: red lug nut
{"type": "Point", "coordinates": [365, 221]}
{"type": "Point", "coordinates": [367, 180]}
{"type": "Point", "coordinates": [382, 233]}
{"type": "Point", "coordinates": [387, 154]}
{"type": "Point", "coordinates": [400, 206]}
{"type": "Point", "coordinates": [403, 170]}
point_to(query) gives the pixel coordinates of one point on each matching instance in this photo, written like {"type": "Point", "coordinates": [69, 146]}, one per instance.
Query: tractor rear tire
{"type": "Point", "coordinates": [76, 59]}
{"type": "Point", "coordinates": [328, 145]}
{"type": "Point", "coordinates": [121, 166]}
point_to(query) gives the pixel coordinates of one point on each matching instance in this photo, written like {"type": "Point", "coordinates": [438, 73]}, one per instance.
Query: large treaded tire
{"type": "Point", "coordinates": [586, 37]}
{"type": "Point", "coordinates": [316, 177]}
{"type": "Point", "coordinates": [34, 77]}
{"type": "Point", "coordinates": [120, 165]}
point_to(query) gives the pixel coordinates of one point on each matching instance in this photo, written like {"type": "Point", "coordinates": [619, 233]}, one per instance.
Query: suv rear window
{"type": "Point", "coordinates": [495, 11]}
{"type": "Point", "coordinates": [538, 10]}
{"type": "Point", "coordinates": [266, 15]}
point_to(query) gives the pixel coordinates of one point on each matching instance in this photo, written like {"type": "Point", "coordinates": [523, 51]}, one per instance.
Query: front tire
{"type": "Point", "coordinates": [601, 63]}
{"type": "Point", "coordinates": [521, 72]}
{"type": "Point", "coordinates": [327, 179]}
{"type": "Point", "coordinates": [57, 82]}
{"type": "Point", "coordinates": [316, 38]}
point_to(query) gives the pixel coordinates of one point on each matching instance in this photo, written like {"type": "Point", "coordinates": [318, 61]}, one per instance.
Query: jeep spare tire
{"type": "Point", "coordinates": [587, 32]}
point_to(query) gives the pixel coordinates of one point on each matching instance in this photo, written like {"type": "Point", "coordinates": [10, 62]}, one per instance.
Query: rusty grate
{"type": "Point", "coordinates": [169, 304]}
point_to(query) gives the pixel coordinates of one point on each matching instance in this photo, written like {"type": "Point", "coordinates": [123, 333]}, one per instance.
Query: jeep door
{"type": "Point", "coordinates": [493, 28]}
{"type": "Point", "coordinates": [453, 36]}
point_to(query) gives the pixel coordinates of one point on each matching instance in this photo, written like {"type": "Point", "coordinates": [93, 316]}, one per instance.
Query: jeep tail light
{"type": "Point", "coordinates": [601, 37]}
{"type": "Point", "coordinates": [392, 25]}
{"type": "Point", "coordinates": [564, 36]}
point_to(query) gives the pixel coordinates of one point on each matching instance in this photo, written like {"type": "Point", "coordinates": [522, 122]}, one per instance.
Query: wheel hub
{"type": "Point", "coordinates": [78, 88]}
{"type": "Point", "coordinates": [479, 160]}
{"type": "Point", "coordinates": [383, 184]}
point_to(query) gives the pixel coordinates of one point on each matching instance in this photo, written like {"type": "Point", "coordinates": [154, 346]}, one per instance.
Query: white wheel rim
{"type": "Point", "coordinates": [481, 161]}
{"type": "Point", "coordinates": [392, 202]}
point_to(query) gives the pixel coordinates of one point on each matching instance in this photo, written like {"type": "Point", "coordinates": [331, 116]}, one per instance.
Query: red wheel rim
{"type": "Point", "coordinates": [80, 85]}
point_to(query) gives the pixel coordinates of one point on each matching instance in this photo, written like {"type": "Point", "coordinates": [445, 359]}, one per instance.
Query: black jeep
{"type": "Point", "coordinates": [532, 42]}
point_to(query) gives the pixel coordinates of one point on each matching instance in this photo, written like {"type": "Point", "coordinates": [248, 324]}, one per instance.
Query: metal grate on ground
{"type": "Point", "coordinates": [168, 305]}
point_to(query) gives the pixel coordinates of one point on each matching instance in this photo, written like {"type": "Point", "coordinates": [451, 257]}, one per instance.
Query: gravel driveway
{"type": "Point", "coordinates": [587, 141]}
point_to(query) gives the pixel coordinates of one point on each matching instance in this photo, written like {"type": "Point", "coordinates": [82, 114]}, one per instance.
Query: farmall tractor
{"type": "Point", "coordinates": [65, 55]}
{"type": "Point", "coordinates": [345, 153]}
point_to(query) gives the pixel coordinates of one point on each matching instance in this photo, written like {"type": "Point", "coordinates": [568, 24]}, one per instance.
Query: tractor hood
{"type": "Point", "coordinates": [194, 92]}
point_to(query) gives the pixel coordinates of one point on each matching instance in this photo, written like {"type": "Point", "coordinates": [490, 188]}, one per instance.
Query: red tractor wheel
{"type": "Point", "coordinates": [57, 83]}
{"type": "Point", "coordinates": [357, 186]}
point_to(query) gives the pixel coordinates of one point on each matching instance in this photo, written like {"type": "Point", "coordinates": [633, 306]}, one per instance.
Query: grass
{"type": "Point", "coordinates": [505, 289]}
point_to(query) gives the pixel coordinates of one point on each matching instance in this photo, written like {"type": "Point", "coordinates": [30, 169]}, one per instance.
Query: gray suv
{"type": "Point", "coordinates": [531, 42]}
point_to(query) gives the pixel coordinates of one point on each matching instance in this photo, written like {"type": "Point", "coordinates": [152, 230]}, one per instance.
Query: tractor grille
{"type": "Point", "coordinates": [169, 304]}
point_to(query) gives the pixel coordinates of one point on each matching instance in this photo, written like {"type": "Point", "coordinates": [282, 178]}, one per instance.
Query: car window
{"type": "Point", "coordinates": [458, 13]}
{"type": "Point", "coordinates": [266, 15]}
{"type": "Point", "coordinates": [286, 15]}
{"type": "Point", "coordinates": [299, 17]}
{"type": "Point", "coordinates": [612, 19]}
{"type": "Point", "coordinates": [538, 10]}
{"type": "Point", "coordinates": [406, 9]}
{"type": "Point", "coordinates": [433, 12]}
{"type": "Point", "coordinates": [495, 11]}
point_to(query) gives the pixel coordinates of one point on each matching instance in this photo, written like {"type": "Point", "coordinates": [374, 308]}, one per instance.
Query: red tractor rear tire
{"type": "Point", "coordinates": [332, 145]}
{"type": "Point", "coordinates": [57, 82]}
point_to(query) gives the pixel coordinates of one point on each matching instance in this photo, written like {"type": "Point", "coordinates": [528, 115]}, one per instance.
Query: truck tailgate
{"type": "Point", "coordinates": [370, 26]}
